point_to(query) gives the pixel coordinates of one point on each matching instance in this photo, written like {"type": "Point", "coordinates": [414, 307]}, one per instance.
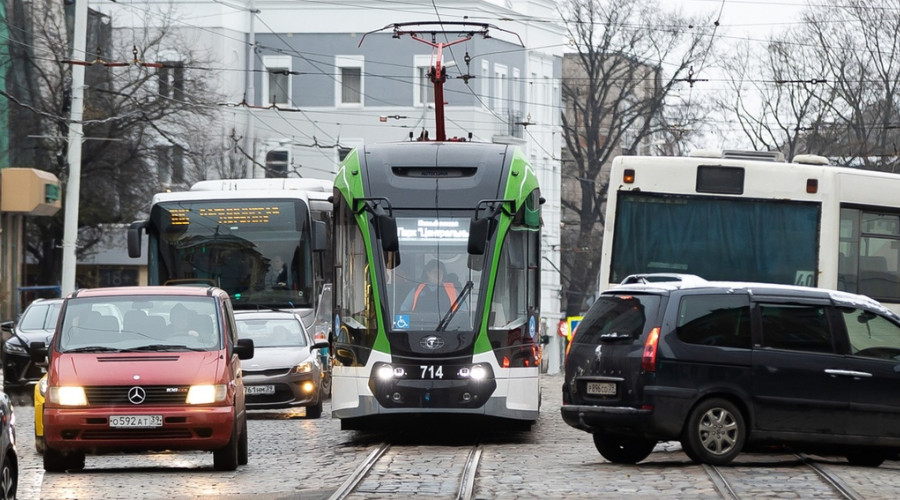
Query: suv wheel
{"type": "Point", "coordinates": [623, 449]}
{"type": "Point", "coordinates": [715, 432]}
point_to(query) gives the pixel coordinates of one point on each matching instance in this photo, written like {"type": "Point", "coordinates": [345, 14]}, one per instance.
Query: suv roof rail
{"type": "Point", "coordinates": [661, 278]}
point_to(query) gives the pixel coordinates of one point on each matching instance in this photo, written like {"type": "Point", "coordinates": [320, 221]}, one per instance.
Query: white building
{"type": "Point", "coordinates": [301, 91]}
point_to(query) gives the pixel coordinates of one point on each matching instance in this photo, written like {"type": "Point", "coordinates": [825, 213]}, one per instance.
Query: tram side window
{"type": "Point", "coordinates": [354, 295]}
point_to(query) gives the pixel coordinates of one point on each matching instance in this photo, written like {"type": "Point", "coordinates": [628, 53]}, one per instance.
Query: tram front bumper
{"type": "Point", "coordinates": [423, 387]}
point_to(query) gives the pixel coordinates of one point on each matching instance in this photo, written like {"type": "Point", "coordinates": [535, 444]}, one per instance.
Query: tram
{"type": "Point", "coordinates": [437, 282]}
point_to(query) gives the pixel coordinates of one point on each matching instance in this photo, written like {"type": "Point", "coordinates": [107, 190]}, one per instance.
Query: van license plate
{"type": "Point", "coordinates": [135, 421]}
{"type": "Point", "coordinates": [602, 388]}
{"type": "Point", "coordinates": [259, 389]}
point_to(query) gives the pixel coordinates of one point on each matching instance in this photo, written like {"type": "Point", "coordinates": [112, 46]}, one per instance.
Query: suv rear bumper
{"type": "Point", "coordinates": [201, 428]}
{"type": "Point", "coordinates": [625, 420]}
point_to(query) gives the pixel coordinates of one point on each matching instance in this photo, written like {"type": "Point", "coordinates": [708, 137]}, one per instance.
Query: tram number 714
{"type": "Point", "coordinates": [431, 371]}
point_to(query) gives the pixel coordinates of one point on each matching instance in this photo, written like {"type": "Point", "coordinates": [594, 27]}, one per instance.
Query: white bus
{"type": "Point", "coordinates": [264, 241]}
{"type": "Point", "coordinates": [736, 216]}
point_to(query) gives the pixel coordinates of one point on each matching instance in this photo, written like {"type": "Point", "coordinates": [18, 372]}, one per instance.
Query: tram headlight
{"type": "Point", "coordinates": [384, 371]}
{"type": "Point", "coordinates": [478, 372]}
{"type": "Point", "coordinates": [474, 372]}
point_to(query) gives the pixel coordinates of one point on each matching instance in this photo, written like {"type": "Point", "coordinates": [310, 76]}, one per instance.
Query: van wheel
{"type": "Point", "coordinates": [714, 433]}
{"type": "Point", "coordinates": [623, 449]}
{"type": "Point", "coordinates": [865, 458]}
{"type": "Point", "coordinates": [243, 448]}
{"type": "Point", "coordinates": [226, 457]}
{"type": "Point", "coordinates": [57, 461]}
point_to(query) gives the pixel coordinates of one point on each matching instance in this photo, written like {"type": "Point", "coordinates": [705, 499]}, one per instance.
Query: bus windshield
{"type": "Point", "coordinates": [433, 287]}
{"type": "Point", "coordinates": [716, 238]}
{"type": "Point", "coordinates": [257, 250]}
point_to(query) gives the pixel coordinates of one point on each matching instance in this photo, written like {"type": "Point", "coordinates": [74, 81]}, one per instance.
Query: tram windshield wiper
{"type": "Point", "coordinates": [455, 306]}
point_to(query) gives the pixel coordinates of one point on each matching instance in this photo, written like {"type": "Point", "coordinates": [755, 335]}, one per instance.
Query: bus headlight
{"type": "Point", "coordinates": [67, 396]}
{"type": "Point", "coordinates": [205, 394]}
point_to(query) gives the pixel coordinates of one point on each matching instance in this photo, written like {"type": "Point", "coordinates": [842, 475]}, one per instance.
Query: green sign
{"type": "Point", "coordinates": [51, 193]}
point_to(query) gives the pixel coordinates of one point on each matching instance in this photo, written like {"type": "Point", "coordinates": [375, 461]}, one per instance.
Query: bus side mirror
{"type": "Point", "coordinates": [387, 229]}
{"type": "Point", "coordinates": [134, 238]}
{"type": "Point", "coordinates": [478, 235]}
{"type": "Point", "coordinates": [319, 236]}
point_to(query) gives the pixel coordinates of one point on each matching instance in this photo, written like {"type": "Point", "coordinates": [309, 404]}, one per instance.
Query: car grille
{"type": "Point", "coordinates": [161, 433]}
{"type": "Point", "coordinates": [266, 373]}
{"type": "Point", "coordinates": [118, 395]}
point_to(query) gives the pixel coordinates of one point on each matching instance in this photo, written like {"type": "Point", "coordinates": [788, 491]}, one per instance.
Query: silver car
{"type": "Point", "coordinates": [286, 370]}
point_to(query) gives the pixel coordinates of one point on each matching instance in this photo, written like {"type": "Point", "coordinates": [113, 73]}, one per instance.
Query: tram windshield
{"type": "Point", "coordinates": [433, 287]}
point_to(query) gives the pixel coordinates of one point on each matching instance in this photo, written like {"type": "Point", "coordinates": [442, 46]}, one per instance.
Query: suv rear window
{"type": "Point", "coordinates": [616, 317]}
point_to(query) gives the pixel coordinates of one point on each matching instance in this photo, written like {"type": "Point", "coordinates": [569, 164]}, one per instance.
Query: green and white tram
{"type": "Point", "coordinates": [436, 271]}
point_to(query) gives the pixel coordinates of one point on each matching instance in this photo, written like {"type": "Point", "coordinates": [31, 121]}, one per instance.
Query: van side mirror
{"type": "Point", "coordinates": [479, 230]}
{"type": "Point", "coordinates": [244, 348]}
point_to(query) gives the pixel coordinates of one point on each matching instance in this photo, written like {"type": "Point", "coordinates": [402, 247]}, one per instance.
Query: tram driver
{"type": "Point", "coordinates": [434, 289]}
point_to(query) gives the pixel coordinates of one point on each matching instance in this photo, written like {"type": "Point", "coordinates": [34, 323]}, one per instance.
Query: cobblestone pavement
{"type": "Point", "coordinates": [295, 458]}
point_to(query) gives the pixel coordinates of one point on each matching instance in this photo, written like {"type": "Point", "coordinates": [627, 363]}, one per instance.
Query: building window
{"type": "Point", "coordinates": [277, 80]}
{"type": "Point", "coordinates": [277, 164]}
{"type": "Point", "coordinates": [500, 89]}
{"type": "Point", "coordinates": [424, 89]}
{"type": "Point", "coordinates": [171, 80]}
{"type": "Point", "coordinates": [349, 80]}
{"type": "Point", "coordinates": [485, 83]}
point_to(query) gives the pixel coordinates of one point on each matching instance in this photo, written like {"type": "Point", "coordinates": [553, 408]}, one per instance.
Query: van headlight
{"type": "Point", "coordinates": [205, 394]}
{"type": "Point", "coordinates": [67, 396]}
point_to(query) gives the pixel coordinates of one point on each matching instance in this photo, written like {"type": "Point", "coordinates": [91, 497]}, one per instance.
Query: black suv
{"type": "Point", "coordinates": [719, 366]}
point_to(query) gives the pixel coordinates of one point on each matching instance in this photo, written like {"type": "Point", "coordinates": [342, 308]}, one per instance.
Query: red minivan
{"type": "Point", "coordinates": [145, 369]}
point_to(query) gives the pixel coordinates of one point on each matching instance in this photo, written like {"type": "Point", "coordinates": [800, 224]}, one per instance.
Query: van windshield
{"type": "Point", "coordinates": [617, 317]}
{"type": "Point", "coordinates": [145, 323]}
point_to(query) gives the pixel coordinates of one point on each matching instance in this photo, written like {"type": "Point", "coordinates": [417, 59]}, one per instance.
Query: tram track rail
{"type": "Point", "coordinates": [727, 490]}
{"type": "Point", "coordinates": [395, 469]}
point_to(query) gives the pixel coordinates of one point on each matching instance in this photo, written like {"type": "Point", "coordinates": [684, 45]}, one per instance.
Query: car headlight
{"type": "Point", "coordinates": [205, 394]}
{"type": "Point", "coordinates": [304, 367]}
{"type": "Point", "coordinates": [67, 396]}
{"type": "Point", "coordinates": [15, 348]}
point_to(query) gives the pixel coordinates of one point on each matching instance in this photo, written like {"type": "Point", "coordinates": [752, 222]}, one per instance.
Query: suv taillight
{"type": "Point", "coordinates": [648, 360]}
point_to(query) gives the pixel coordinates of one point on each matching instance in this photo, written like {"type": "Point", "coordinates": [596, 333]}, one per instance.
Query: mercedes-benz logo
{"type": "Point", "coordinates": [137, 395]}
{"type": "Point", "coordinates": [432, 342]}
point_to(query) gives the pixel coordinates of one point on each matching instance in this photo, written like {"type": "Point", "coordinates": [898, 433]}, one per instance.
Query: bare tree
{"type": "Point", "coordinates": [619, 89]}
{"type": "Point", "coordinates": [828, 86]}
{"type": "Point", "coordinates": [140, 114]}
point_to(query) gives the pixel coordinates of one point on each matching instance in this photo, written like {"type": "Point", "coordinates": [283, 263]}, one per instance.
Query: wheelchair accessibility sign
{"type": "Point", "coordinates": [401, 322]}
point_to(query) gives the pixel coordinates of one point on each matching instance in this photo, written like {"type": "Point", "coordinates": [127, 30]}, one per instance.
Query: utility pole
{"type": "Point", "coordinates": [76, 134]}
